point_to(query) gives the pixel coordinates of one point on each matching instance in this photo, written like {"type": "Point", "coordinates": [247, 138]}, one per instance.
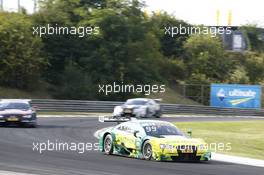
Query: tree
{"type": "Point", "coordinates": [171, 47]}
{"type": "Point", "coordinates": [21, 60]}
{"type": "Point", "coordinates": [254, 64]}
{"type": "Point", "coordinates": [205, 55]}
{"type": "Point", "coordinates": [239, 76]}
{"type": "Point", "coordinates": [123, 51]}
{"type": "Point", "coordinates": [253, 35]}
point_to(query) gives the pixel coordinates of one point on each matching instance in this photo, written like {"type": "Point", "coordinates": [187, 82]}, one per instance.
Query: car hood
{"type": "Point", "coordinates": [15, 111]}
{"type": "Point", "coordinates": [178, 140]}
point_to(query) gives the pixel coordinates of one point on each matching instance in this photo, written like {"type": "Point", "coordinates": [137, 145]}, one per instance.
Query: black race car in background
{"type": "Point", "coordinates": [17, 112]}
{"type": "Point", "coordinates": [139, 108]}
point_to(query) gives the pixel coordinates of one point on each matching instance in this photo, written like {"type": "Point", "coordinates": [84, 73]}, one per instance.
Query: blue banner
{"type": "Point", "coordinates": [235, 96]}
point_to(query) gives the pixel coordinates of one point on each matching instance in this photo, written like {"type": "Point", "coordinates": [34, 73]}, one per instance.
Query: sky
{"type": "Point", "coordinates": [193, 11]}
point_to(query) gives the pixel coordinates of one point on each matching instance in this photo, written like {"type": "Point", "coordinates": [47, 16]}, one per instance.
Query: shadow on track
{"type": "Point", "coordinates": [211, 162]}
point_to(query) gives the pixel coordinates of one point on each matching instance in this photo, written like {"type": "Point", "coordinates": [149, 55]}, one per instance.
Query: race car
{"type": "Point", "coordinates": [139, 107]}
{"type": "Point", "coordinates": [14, 111]}
{"type": "Point", "coordinates": [152, 140]}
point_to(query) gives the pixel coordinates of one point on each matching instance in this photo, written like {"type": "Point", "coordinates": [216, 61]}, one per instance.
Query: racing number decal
{"type": "Point", "coordinates": [151, 128]}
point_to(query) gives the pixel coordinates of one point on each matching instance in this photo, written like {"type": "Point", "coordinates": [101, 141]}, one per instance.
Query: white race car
{"type": "Point", "coordinates": [139, 108]}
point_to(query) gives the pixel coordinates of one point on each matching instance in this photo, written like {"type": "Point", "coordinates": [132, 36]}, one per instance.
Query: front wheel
{"type": "Point", "coordinates": [108, 144]}
{"type": "Point", "coordinates": [147, 151]}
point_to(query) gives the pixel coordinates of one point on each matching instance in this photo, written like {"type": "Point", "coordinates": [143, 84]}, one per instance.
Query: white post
{"type": "Point", "coordinates": [35, 6]}
{"type": "Point", "coordinates": [18, 6]}
{"type": "Point", "coordinates": [1, 5]}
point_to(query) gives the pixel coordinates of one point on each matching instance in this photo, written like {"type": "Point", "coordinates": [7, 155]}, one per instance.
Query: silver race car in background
{"type": "Point", "coordinates": [139, 108]}
{"type": "Point", "coordinates": [13, 111]}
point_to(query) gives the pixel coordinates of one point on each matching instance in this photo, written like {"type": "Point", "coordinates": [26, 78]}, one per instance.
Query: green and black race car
{"type": "Point", "coordinates": [152, 140]}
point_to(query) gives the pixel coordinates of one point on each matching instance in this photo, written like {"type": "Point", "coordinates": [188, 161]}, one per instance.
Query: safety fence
{"type": "Point", "coordinates": [50, 105]}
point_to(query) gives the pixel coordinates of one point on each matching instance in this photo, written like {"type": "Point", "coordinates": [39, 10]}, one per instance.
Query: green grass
{"type": "Point", "coordinates": [246, 137]}
{"type": "Point", "coordinates": [172, 96]}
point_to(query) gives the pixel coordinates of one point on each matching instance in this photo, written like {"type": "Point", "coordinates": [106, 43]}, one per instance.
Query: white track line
{"type": "Point", "coordinates": [64, 116]}
{"type": "Point", "coordinates": [13, 173]}
{"type": "Point", "coordinates": [237, 160]}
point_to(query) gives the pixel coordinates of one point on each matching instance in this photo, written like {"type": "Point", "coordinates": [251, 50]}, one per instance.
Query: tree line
{"type": "Point", "coordinates": [130, 48]}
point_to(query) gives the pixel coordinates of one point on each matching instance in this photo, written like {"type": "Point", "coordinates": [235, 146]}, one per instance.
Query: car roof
{"type": "Point", "coordinates": [15, 101]}
{"type": "Point", "coordinates": [143, 99]}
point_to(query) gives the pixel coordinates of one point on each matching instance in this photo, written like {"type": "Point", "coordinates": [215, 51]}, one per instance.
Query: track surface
{"type": "Point", "coordinates": [17, 155]}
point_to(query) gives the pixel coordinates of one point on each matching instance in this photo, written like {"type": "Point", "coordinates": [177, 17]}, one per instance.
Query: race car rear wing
{"type": "Point", "coordinates": [104, 119]}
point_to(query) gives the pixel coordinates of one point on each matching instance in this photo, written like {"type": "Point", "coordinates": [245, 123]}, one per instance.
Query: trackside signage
{"type": "Point", "coordinates": [235, 96]}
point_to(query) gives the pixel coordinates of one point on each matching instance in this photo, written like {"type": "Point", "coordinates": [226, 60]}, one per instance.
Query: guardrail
{"type": "Point", "coordinates": [48, 105]}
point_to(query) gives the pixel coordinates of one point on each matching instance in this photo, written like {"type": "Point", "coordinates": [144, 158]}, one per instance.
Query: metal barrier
{"type": "Point", "coordinates": [108, 106]}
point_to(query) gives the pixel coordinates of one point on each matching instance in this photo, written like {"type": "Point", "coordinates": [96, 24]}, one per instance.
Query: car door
{"type": "Point", "coordinates": [130, 139]}
{"type": "Point", "coordinates": [125, 136]}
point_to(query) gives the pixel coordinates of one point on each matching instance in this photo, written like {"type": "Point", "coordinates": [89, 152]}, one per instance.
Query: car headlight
{"type": "Point", "coordinates": [1, 116]}
{"type": "Point", "coordinates": [163, 146]}
{"type": "Point", "coordinates": [27, 116]}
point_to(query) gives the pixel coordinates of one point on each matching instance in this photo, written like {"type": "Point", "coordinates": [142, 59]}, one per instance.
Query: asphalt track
{"type": "Point", "coordinates": [17, 155]}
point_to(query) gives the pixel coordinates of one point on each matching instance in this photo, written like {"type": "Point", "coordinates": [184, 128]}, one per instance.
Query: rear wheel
{"type": "Point", "coordinates": [148, 114]}
{"type": "Point", "coordinates": [108, 144]}
{"type": "Point", "coordinates": [147, 151]}
{"type": "Point", "coordinates": [158, 114]}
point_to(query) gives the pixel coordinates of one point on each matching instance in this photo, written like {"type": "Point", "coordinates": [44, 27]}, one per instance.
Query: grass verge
{"type": "Point", "coordinates": [246, 137]}
{"type": "Point", "coordinates": [172, 96]}
{"type": "Point", "coordinates": [16, 93]}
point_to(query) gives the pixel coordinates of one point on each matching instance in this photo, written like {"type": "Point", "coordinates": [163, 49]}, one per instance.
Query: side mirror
{"type": "Point", "coordinates": [136, 134]}
{"type": "Point", "coordinates": [189, 132]}
{"type": "Point", "coordinates": [35, 108]}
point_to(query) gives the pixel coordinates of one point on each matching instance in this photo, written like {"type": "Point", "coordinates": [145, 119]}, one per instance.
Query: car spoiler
{"type": "Point", "coordinates": [158, 100]}
{"type": "Point", "coordinates": [104, 119]}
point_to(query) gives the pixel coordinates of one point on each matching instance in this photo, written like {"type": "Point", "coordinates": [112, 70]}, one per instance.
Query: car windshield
{"type": "Point", "coordinates": [14, 105]}
{"type": "Point", "coordinates": [136, 102]}
{"type": "Point", "coordinates": [159, 129]}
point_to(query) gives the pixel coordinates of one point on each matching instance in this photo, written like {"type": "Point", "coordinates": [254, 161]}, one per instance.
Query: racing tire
{"type": "Point", "coordinates": [108, 144]}
{"type": "Point", "coordinates": [28, 125]}
{"type": "Point", "coordinates": [147, 115]}
{"type": "Point", "coordinates": [33, 125]}
{"type": "Point", "coordinates": [147, 150]}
